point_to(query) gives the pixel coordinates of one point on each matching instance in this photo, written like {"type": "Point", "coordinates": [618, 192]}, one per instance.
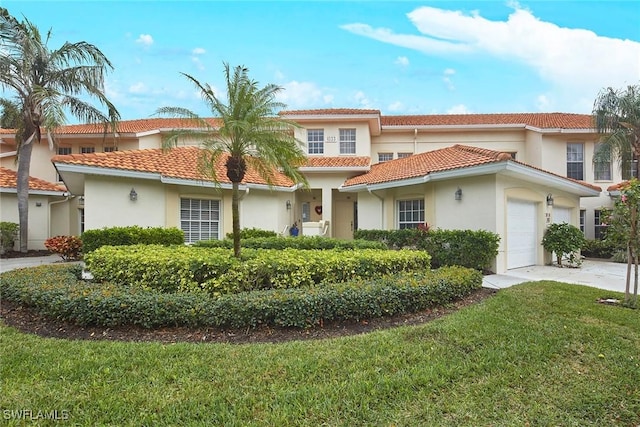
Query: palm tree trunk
{"type": "Point", "coordinates": [235, 213]}
{"type": "Point", "coordinates": [627, 289]}
{"type": "Point", "coordinates": [22, 187]}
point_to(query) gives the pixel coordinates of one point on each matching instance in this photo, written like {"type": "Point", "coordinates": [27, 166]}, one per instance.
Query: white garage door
{"type": "Point", "coordinates": [561, 215]}
{"type": "Point", "coordinates": [522, 234]}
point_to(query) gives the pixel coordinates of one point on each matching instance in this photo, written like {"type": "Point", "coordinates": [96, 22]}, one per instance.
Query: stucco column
{"type": "Point", "coordinates": [327, 208]}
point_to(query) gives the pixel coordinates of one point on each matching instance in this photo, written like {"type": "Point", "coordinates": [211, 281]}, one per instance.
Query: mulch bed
{"type": "Point", "coordinates": [28, 254]}
{"type": "Point", "coordinates": [27, 321]}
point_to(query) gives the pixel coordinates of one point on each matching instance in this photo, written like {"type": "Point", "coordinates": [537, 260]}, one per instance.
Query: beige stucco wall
{"type": "Point", "coordinates": [39, 230]}
{"type": "Point", "coordinates": [475, 211]}
{"type": "Point", "coordinates": [332, 137]}
{"type": "Point", "coordinates": [107, 203]}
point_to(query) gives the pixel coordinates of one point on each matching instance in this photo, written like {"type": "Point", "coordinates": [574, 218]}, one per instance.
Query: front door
{"type": "Point", "coordinates": [344, 219]}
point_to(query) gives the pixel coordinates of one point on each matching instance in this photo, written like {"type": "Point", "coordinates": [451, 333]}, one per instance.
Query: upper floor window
{"type": "Point", "coordinates": [575, 161]}
{"type": "Point", "coordinates": [315, 141]}
{"type": "Point", "coordinates": [385, 157]}
{"type": "Point", "coordinates": [63, 151]}
{"type": "Point", "coordinates": [110, 149]}
{"type": "Point", "coordinates": [403, 155]}
{"type": "Point", "coordinates": [347, 141]}
{"type": "Point", "coordinates": [630, 168]}
{"type": "Point", "coordinates": [87, 150]}
{"type": "Point", "coordinates": [410, 213]}
{"type": "Point", "coordinates": [602, 167]}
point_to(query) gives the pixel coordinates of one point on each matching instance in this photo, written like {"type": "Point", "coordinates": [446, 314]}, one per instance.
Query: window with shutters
{"type": "Point", "coordinates": [200, 219]}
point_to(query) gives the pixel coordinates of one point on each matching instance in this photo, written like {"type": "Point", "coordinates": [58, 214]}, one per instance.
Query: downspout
{"type": "Point", "coordinates": [415, 140]}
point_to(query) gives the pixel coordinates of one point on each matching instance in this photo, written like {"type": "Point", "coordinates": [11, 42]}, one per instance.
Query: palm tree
{"type": "Point", "coordinates": [616, 116]}
{"type": "Point", "coordinates": [46, 84]}
{"type": "Point", "coordinates": [250, 134]}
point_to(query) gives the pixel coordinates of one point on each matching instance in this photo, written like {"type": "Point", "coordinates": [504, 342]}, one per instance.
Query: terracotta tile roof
{"type": "Point", "coordinates": [180, 162]}
{"type": "Point", "coordinates": [538, 120]}
{"type": "Point", "coordinates": [617, 187]}
{"type": "Point", "coordinates": [328, 111]}
{"type": "Point", "coordinates": [454, 157]}
{"type": "Point", "coordinates": [8, 179]}
{"type": "Point", "coordinates": [338, 162]}
{"type": "Point", "coordinates": [134, 126]}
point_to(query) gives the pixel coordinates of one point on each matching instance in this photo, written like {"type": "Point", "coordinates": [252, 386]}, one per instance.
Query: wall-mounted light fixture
{"type": "Point", "coordinates": [458, 194]}
{"type": "Point", "coordinates": [288, 205]}
{"type": "Point", "coordinates": [549, 200]}
{"type": "Point", "coordinates": [38, 204]}
{"type": "Point", "coordinates": [133, 196]}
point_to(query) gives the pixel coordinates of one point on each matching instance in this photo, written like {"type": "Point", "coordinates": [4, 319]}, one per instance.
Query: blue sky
{"type": "Point", "coordinates": [402, 57]}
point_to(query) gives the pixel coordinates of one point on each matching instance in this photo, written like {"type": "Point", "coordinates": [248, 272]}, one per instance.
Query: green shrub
{"type": "Point", "coordinates": [563, 239]}
{"type": "Point", "coordinates": [134, 235]}
{"type": "Point", "coordinates": [8, 235]}
{"type": "Point", "coordinates": [168, 269]}
{"type": "Point", "coordinates": [467, 248]}
{"type": "Point", "coordinates": [250, 233]}
{"type": "Point", "coordinates": [189, 268]}
{"type": "Point", "coordinates": [596, 248]}
{"type": "Point", "coordinates": [55, 291]}
{"type": "Point", "coordinates": [302, 242]}
{"type": "Point", "coordinates": [68, 247]}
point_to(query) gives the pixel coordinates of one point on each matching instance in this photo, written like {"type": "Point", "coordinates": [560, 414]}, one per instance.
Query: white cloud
{"type": "Point", "coordinates": [198, 51]}
{"type": "Point", "coordinates": [396, 106]}
{"type": "Point", "coordinates": [446, 78]}
{"type": "Point", "coordinates": [145, 39]}
{"type": "Point", "coordinates": [138, 88]}
{"type": "Point", "coordinates": [543, 103]}
{"type": "Point", "coordinates": [458, 109]}
{"type": "Point", "coordinates": [577, 59]}
{"type": "Point", "coordinates": [403, 61]}
{"type": "Point", "coordinates": [302, 94]}
{"type": "Point", "coordinates": [362, 100]}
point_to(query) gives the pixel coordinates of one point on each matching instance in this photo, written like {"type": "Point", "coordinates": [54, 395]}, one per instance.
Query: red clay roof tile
{"type": "Point", "coordinates": [338, 162]}
{"type": "Point", "coordinates": [8, 179]}
{"type": "Point", "coordinates": [538, 120]}
{"type": "Point", "coordinates": [180, 162]}
{"type": "Point", "coordinates": [329, 111]}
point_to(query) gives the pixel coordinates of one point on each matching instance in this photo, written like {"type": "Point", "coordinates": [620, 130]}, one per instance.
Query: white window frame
{"type": "Point", "coordinates": [602, 170]}
{"type": "Point", "coordinates": [87, 149]}
{"type": "Point", "coordinates": [575, 156]}
{"type": "Point", "coordinates": [384, 157]}
{"type": "Point", "coordinates": [200, 219]}
{"type": "Point", "coordinates": [315, 141]}
{"type": "Point", "coordinates": [110, 149]}
{"type": "Point", "coordinates": [410, 213]}
{"type": "Point", "coordinates": [347, 141]}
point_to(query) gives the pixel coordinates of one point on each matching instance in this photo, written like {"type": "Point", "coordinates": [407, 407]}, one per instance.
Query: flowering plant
{"type": "Point", "coordinates": [68, 247]}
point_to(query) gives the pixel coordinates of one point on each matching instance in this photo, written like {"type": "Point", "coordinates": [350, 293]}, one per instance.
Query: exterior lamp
{"type": "Point", "coordinates": [458, 194]}
{"type": "Point", "coordinates": [288, 204]}
{"type": "Point", "coordinates": [133, 196]}
{"type": "Point", "coordinates": [549, 200]}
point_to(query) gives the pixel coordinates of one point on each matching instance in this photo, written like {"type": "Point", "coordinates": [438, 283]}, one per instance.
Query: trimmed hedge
{"type": "Point", "coordinates": [467, 248]}
{"type": "Point", "coordinates": [134, 235]}
{"type": "Point", "coordinates": [183, 268]}
{"type": "Point", "coordinates": [250, 233]}
{"type": "Point", "coordinates": [302, 242]}
{"type": "Point", "coordinates": [54, 291]}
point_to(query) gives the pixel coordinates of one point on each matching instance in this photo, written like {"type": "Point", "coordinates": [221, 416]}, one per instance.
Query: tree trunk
{"type": "Point", "coordinates": [634, 300]}
{"type": "Point", "coordinates": [235, 213]}
{"type": "Point", "coordinates": [22, 187]}
{"type": "Point", "coordinates": [627, 289]}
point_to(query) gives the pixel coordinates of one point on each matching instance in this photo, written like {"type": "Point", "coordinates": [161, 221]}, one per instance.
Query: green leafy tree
{"type": "Point", "coordinates": [249, 134]}
{"type": "Point", "coordinates": [563, 239]}
{"type": "Point", "coordinates": [46, 84]}
{"type": "Point", "coordinates": [623, 227]}
{"type": "Point", "coordinates": [616, 116]}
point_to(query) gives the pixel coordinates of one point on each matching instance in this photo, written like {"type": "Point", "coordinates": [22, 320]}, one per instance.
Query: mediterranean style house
{"type": "Point", "coordinates": [512, 174]}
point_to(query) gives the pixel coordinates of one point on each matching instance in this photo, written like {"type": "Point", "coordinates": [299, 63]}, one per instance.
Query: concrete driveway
{"type": "Point", "coordinates": [7, 264]}
{"type": "Point", "coordinates": [599, 274]}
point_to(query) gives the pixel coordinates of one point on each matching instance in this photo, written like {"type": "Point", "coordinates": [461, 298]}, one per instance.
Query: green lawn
{"type": "Point", "coordinates": [538, 354]}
